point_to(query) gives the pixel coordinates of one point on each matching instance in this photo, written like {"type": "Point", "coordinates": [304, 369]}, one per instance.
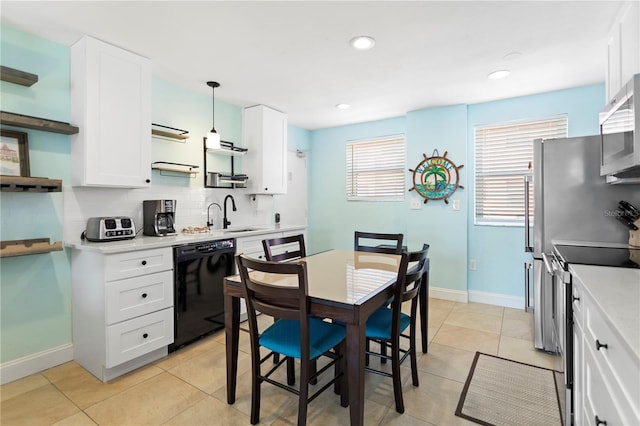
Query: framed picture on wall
{"type": "Point", "coordinates": [14, 153]}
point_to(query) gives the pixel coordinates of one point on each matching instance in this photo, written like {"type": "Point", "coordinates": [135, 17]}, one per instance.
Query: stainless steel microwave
{"type": "Point", "coordinates": [620, 133]}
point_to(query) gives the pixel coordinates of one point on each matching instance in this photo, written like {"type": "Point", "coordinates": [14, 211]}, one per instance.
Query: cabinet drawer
{"type": "Point", "coordinates": [136, 263]}
{"type": "Point", "coordinates": [133, 297]}
{"type": "Point", "coordinates": [616, 357]}
{"type": "Point", "coordinates": [130, 339]}
{"type": "Point", "coordinates": [602, 397]}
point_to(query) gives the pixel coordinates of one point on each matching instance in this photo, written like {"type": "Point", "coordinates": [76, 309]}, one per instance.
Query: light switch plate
{"type": "Point", "coordinates": [456, 204]}
{"type": "Point", "coordinates": [416, 204]}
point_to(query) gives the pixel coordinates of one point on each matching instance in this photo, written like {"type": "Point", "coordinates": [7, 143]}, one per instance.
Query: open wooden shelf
{"type": "Point", "coordinates": [165, 166]}
{"type": "Point", "coordinates": [29, 184]}
{"type": "Point", "coordinates": [37, 123]}
{"type": "Point", "coordinates": [26, 247]}
{"type": "Point", "coordinates": [227, 151]}
{"type": "Point", "coordinates": [22, 78]}
{"type": "Point", "coordinates": [169, 132]}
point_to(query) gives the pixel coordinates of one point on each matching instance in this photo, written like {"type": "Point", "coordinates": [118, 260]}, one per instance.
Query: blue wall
{"type": "Point", "coordinates": [499, 251]}
{"type": "Point", "coordinates": [452, 234]}
{"type": "Point", "coordinates": [35, 291]}
{"type": "Point", "coordinates": [332, 220]}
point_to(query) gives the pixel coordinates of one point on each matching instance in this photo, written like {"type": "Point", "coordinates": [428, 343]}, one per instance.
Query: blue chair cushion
{"type": "Point", "coordinates": [283, 337]}
{"type": "Point", "coordinates": [379, 323]}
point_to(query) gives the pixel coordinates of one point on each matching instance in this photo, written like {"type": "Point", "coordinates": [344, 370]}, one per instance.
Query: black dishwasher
{"type": "Point", "coordinates": [199, 271]}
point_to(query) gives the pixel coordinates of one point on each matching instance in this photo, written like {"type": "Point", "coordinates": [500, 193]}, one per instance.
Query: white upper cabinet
{"type": "Point", "coordinates": [264, 132]}
{"type": "Point", "coordinates": [623, 50]}
{"type": "Point", "coordinates": [630, 43]}
{"type": "Point", "coordinates": [111, 102]}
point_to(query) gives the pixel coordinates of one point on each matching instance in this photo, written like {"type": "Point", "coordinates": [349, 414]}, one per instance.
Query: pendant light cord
{"type": "Point", "coordinates": [213, 85]}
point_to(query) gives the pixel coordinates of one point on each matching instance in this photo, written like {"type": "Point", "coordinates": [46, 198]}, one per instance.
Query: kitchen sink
{"type": "Point", "coordinates": [238, 229]}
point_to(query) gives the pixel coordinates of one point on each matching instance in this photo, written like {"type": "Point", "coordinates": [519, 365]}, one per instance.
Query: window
{"type": "Point", "coordinates": [376, 170]}
{"type": "Point", "coordinates": [504, 155]}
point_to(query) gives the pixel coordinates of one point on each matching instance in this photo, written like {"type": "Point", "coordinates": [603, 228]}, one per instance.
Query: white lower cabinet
{"type": "Point", "coordinates": [606, 383]}
{"type": "Point", "coordinates": [122, 309]}
{"type": "Point", "coordinates": [136, 337]}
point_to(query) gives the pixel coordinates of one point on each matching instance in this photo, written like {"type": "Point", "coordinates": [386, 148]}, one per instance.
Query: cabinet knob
{"type": "Point", "coordinates": [576, 299]}
{"type": "Point", "coordinates": [148, 181]}
{"type": "Point", "coordinates": [144, 295]}
{"type": "Point", "coordinates": [145, 335]}
{"type": "Point", "coordinates": [600, 422]}
{"type": "Point", "coordinates": [144, 262]}
{"type": "Point", "coordinates": [601, 345]}
{"type": "Point", "coordinates": [266, 189]}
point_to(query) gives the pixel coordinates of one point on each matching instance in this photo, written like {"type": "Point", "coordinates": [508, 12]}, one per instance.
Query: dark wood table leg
{"type": "Point", "coordinates": [232, 336]}
{"type": "Point", "coordinates": [355, 371]}
{"type": "Point", "coordinates": [424, 308]}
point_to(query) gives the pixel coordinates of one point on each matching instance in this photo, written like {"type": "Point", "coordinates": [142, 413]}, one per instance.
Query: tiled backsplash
{"type": "Point", "coordinates": [81, 203]}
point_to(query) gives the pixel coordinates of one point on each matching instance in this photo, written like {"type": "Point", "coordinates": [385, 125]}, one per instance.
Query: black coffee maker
{"type": "Point", "coordinates": [159, 217]}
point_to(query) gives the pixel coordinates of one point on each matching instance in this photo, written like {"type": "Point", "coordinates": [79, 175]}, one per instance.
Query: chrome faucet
{"type": "Point", "coordinates": [225, 222]}
{"type": "Point", "coordinates": [209, 222]}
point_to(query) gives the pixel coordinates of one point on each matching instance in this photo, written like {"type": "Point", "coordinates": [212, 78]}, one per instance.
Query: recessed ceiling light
{"type": "Point", "coordinates": [362, 42]}
{"type": "Point", "coordinates": [497, 75]}
{"type": "Point", "coordinates": [343, 106]}
{"type": "Point", "coordinates": [512, 56]}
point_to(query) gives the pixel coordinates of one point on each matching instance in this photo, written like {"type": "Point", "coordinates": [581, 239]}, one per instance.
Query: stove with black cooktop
{"type": "Point", "coordinates": [620, 257]}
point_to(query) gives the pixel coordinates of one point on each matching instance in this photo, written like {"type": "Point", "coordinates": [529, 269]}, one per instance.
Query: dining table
{"type": "Point", "coordinates": [343, 285]}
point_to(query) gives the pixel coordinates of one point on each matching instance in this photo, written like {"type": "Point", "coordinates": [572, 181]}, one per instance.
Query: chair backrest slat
{"type": "Point", "coordinates": [392, 243]}
{"type": "Point", "coordinates": [293, 247]}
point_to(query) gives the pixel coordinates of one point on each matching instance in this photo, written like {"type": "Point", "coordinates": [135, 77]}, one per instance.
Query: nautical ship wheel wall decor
{"type": "Point", "coordinates": [436, 177]}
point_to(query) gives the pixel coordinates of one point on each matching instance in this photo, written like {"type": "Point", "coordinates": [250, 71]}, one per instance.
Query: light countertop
{"type": "Point", "coordinates": [616, 292]}
{"type": "Point", "coordinates": [143, 242]}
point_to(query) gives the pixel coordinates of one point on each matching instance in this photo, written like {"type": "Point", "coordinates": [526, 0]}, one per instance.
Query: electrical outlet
{"type": "Point", "coordinates": [473, 264]}
{"type": "Point", "coordinates": [416, 204]}
{"type": "Point", "coordinates": [456, 204]}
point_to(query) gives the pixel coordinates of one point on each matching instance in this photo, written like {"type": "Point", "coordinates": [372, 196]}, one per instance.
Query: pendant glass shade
{"type": "Point", "coordinates": [213, 140]}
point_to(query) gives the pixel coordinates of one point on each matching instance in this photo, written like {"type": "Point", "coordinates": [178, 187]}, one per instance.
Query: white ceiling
{"type": "Point", "coordinates": [295, 55]}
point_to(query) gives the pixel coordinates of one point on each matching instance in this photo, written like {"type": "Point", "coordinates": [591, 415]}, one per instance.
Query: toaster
{"type": "Point", "coordinates": [109, 228]}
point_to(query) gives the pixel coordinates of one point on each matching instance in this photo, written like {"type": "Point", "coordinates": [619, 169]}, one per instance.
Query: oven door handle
{"type": "Point", "coordinates": [548, 264]}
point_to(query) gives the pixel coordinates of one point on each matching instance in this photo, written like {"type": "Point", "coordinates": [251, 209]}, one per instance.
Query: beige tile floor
{"type": "Point", "coordinates": [188, 387]}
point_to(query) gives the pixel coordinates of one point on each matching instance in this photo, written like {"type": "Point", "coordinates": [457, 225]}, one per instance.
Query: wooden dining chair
{"type": "Point", "coordinates": [386, 243]}
{"type": "Point", "coordinates": [387, 324]}
{"type": "Point", "coordinates": [375, 242]}
{"type": "Point", "coordinates": [281, 290]}
{"type": "Point", "coordinates": [285, 248]}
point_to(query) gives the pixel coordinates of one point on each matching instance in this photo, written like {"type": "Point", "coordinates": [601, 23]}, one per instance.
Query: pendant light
{"type": "Point", "coordinates": [213, 137]}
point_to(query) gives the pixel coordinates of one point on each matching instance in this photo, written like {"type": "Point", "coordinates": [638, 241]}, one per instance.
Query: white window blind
{"type": "Point", "coordinates": [376, 169]}
{"type": "Point", "coordinates": [503, 156]}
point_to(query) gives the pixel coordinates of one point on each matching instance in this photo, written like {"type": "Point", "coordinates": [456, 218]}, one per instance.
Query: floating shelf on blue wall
{"type": "Point", "coordinates": [15, 76]}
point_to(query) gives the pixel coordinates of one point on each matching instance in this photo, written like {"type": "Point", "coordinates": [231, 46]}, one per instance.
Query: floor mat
{"type": "Point", "coordinates": [501, 392]}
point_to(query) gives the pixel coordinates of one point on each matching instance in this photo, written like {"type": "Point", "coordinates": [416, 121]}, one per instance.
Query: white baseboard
{"type": "Point", "coordinates": [462, 296]}
{"type": "Point", "coordinates": [448, 294]}
{"type": "Point", "coordinates": [496, 299]}
{"type": "Point", "coordinates": [34, 363]}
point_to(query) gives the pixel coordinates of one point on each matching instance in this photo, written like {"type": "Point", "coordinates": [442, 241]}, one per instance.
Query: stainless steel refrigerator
{"type": "Point", "coordinates": [572, 202]}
